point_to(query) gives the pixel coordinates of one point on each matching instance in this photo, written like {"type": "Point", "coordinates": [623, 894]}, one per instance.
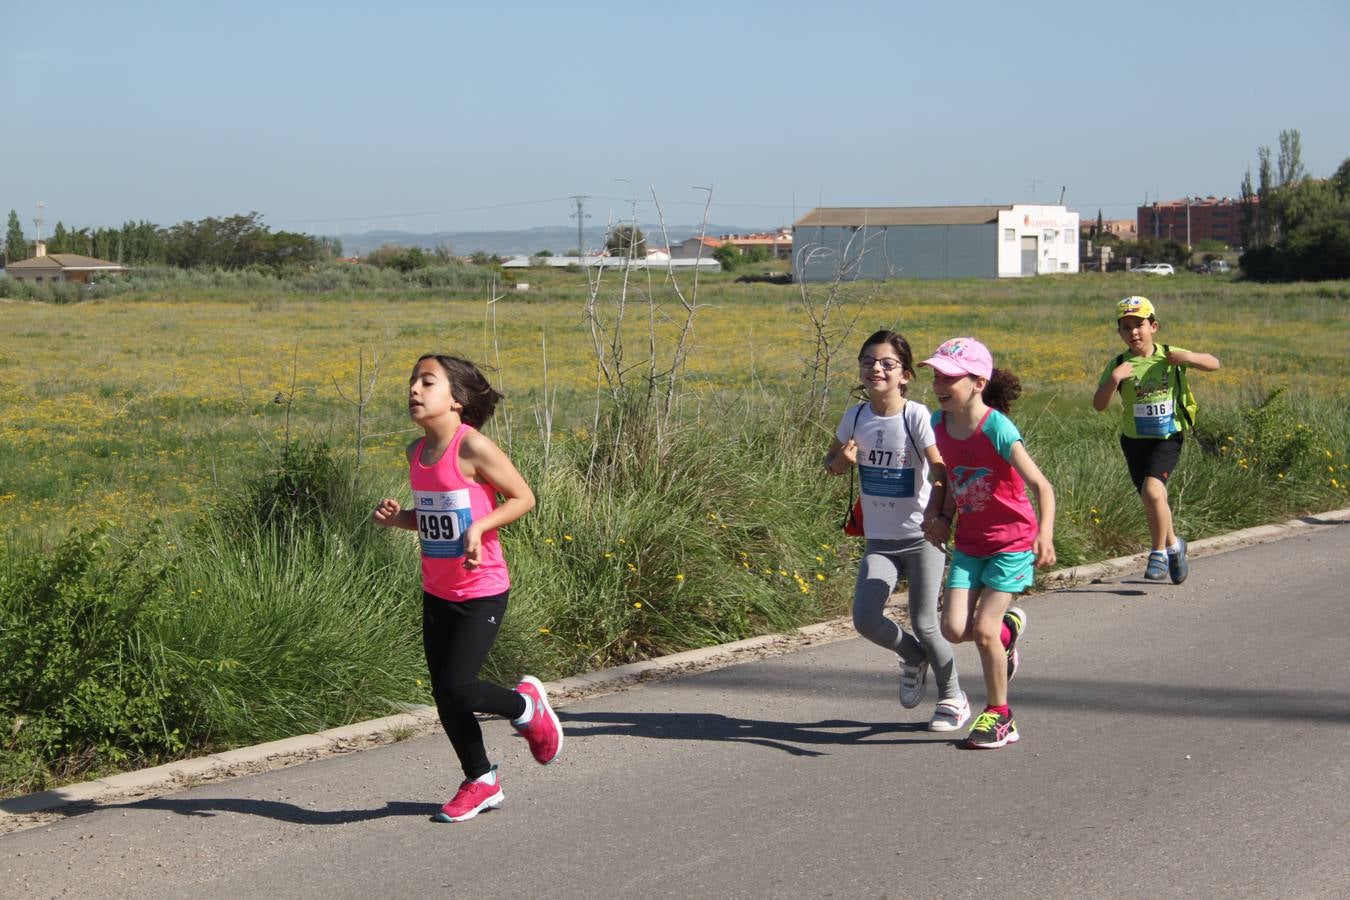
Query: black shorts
{"type": "Point", "coordinates": [1151, 456]}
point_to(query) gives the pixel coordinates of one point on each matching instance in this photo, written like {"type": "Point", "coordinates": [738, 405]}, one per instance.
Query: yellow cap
{"type": "Point", "coordinates": [1134, 306]}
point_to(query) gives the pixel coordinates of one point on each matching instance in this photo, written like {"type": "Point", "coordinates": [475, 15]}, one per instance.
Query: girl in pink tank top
{"type": "Point", "coordinates": [457, 475]}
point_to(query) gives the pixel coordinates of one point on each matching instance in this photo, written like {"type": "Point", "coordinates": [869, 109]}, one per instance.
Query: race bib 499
{"type": "Point", "coordinates": [442, 517]}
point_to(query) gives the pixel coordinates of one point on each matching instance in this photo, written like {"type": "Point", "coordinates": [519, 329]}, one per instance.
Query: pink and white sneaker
{"type": "Point", "coordinates": [543, 732]}
{"type": "Point", "coordinates": [474, 796]}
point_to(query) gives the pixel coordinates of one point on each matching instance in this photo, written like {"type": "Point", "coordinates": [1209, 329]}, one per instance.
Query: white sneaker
{"type": "Point", "coordinates": [950, 715]}
{"type": "Point", "coordinates": [913, 683]}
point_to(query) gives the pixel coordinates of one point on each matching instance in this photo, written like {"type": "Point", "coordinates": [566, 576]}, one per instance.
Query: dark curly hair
{"type": "Point", "coordinates": [469, 386]}
{"type": "Point", "coordinates": [1001, 390]}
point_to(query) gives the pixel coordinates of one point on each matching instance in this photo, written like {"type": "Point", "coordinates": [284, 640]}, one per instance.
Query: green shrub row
{"type": "Point", "coordinates": [282, 610]}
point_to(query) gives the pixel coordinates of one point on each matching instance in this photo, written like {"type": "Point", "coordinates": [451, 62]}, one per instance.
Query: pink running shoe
{"type": "Point", "coordinates": [473, 797]}
{"type": "Point", "coordinates": [543, 732]}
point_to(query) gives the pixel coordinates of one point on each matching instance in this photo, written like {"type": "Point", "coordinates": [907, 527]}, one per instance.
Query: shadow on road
{"type": "Point", "coordinates": [1315, 520]}
{"type": "Point", "coordinates": [1186, 701]}
{"type": "Point", "coordinates": [274, 809]}
{"type": "Point", "coordinates": [795, 738]}
{"type": "Point", "coordinates": [1106, 590]}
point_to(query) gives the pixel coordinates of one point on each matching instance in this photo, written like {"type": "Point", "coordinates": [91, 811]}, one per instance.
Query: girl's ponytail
{"type": "Point", "coordinates": [1001, 390]}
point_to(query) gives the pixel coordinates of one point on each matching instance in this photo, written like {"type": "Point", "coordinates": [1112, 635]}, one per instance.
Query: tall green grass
{"type": "Point", "coordinates": [282, 610]}
{"type": "Point", "coordinates": [269, 605]}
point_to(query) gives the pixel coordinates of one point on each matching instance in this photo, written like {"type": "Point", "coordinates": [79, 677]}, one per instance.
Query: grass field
{"type": "Point", "coordinates": [187, 562]}
{"type": "Point", "coordinates": [143, 406]}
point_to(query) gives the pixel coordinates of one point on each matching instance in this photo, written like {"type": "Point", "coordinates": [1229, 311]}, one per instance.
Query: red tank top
{"type": "Point", "coordinates": [446, 504]}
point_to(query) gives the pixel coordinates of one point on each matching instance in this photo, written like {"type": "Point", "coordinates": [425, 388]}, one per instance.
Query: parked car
{"type": "Point", "coordinates": [1218, 267]}
{"type": "Point", "coordinates": [1155, 269]}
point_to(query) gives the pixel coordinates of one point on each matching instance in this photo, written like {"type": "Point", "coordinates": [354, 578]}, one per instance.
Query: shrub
{"type": "Point", "coordinates": [79, 691]}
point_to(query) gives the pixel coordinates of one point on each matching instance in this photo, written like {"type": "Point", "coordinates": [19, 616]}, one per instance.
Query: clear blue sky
{"type": "Point", "coordinates": [339, 116]}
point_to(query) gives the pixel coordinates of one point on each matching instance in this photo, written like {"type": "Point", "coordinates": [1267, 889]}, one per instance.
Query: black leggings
{"type": "Point", "coordinates": [456, 637]}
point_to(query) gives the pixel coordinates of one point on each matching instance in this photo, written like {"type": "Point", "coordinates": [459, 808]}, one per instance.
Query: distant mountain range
{"type": "Point", "coordinates": [562, 241]}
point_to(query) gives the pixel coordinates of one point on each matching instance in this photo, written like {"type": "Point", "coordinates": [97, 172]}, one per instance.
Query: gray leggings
{"type": "Point", "coordinates": [921, 563]}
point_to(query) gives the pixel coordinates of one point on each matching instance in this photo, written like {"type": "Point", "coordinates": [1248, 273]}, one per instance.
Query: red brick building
{"type": "Point", "coordinates": [1190, 220]}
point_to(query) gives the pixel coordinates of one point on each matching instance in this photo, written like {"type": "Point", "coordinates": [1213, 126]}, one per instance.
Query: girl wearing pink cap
{"type": "Point", "coordinates": [999, 536]}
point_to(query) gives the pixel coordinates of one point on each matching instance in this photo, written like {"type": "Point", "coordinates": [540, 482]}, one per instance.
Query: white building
{"type": "Point", "coordinates": [878, 243]}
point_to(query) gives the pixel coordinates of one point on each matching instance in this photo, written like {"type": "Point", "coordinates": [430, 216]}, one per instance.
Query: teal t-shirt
{"type": "Point", "coordinates": [1148, 397]}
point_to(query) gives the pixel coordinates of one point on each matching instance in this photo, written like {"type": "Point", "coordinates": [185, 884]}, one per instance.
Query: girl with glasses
{"type": "Point", "coordinates": [890, 439]}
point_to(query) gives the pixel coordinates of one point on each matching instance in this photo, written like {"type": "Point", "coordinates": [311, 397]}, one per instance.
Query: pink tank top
{"type": "Point", "coordinates": [446, 504]}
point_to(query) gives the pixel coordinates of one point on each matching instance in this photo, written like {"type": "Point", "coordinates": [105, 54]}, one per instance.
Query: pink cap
{"type": "Point", "coordinates": [962, 356]}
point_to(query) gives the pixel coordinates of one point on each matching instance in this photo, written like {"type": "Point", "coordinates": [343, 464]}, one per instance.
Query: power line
{"type": "Point", "coordinates": [432, 212]}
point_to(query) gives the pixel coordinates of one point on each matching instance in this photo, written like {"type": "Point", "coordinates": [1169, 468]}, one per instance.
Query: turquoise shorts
{"type": "Point", "coordinates": [1009, 572]}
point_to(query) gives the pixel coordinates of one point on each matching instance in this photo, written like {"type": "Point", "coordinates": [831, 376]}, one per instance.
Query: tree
{"type": "Point", "coordinates": [1300, 225]}
{"type": "Point", "coordinates": [1291, 157]}
{"type": "Point", "coordinates": [235, 243]}
{"type": "Point", "coordinates": [60, 240]}
{"type": "Point", "coordinates": [1341, 180]}
{"type": "Point", "coordinates": [1247, 211]}
{"type": "Point", "coordinates": [626, 240]}
{"type": "Point", "coordinates": [728, 255]}
{"type": "Point", "coordinates": [329, 247]}
{"type": "Point", "coordinates": [16, 245]}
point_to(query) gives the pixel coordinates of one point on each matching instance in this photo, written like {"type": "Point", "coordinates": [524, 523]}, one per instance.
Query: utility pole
{"type": "Point", "coordinates": [38, 248]}
{"type": "Point", "coordinates": [581, 217]}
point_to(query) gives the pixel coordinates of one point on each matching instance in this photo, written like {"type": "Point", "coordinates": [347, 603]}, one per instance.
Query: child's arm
{"type": "Point", "coordinates": [1205, 362]}
{"type": "Point", "coordinates": [937, 524]}
{"type": "Point", "coordinates": [389, 513]}
{"type": "Point", "coordinates": [1107, 389]}
{"type": "Point", "coordinates": [483, 460]}
{"type": "Point", "coordinates": [1044, 547]}
{"type": "Point", "coordinates": [847, 453]}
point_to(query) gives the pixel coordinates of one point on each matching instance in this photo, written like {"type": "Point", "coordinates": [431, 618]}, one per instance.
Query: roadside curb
{"type": "Point", "coordinates": [1260, 534]}
{"type": "Point", "coordinates": [419, 719]}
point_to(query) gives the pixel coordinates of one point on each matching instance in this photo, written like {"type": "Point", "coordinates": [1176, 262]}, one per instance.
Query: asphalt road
{"type": "Point", "coordinates": [1182, 741]}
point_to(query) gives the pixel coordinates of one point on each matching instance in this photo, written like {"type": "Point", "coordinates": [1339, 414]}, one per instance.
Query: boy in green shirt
{"type": "Point", "coordinates": [1149, 379]}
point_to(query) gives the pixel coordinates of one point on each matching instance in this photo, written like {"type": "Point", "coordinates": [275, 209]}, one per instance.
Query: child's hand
{"type": "Point", "coordinates": [937, 530]}
{"type": "Point", "coordinates": [849, 452]}
{"type": "Point", "coordinates": [1122, 371]}
{"type": "Point", "coordinates": [473, 547]}
{"type": "Point", "coordinates": [1044, 548]}
{"type": "Point", "coordinates": [385, 513]}
{"type": "Point", "coordinates": [1178, 358]}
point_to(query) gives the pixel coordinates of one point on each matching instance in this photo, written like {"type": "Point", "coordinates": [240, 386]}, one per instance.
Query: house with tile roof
{"type": "Point", "coordinates": [61, 268]}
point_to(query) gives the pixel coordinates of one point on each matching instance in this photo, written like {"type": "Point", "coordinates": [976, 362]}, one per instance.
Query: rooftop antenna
{"type": "Point", "coordinates": [1033, 183]}
{"type": "Point", "coordinates": [37, 220]}
{"type": "Point", "coordinates": [581, 216]}
{"type": "Point", "coordinates": [1062, 189]}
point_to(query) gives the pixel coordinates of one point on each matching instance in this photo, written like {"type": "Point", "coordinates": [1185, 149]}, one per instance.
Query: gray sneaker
{"type": "Point", "coordinates": [1177, 566]}
{"type": "Point", "coordinates": [913, 682]}
{"type": "Point", "coordinates": [1158, 564]}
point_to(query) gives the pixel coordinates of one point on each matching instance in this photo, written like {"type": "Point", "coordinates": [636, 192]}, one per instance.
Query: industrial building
{"type": "Point", "coordinates": [1191, 220]}
{"type": "Point", "coordinates": [878, 243]}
